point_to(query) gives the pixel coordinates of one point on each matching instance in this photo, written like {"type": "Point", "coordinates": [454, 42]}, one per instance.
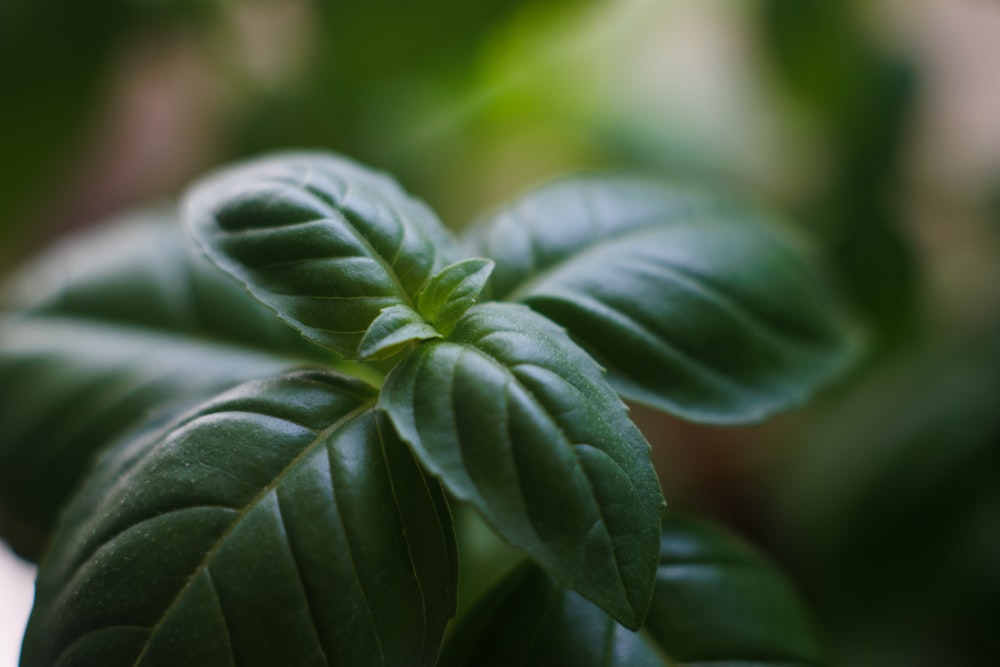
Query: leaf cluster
{"type": "Point", "coordinates": [234, 494]}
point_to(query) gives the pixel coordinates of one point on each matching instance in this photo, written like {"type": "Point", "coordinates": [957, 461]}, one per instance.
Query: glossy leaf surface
{"type": "Point", "coordinates": [71, 387]}
{"type": "Point", "coordinates": [139, 270]}
{"type": "Point", "coordinates": [453, 291]}
{"type": "Point", "coordinates": [518, 421]}
{"type": "Point", "coordinates": [110, 329]}
{"type": "Point", "coordinates": [716, 602]}
{"type": "Point", "coordinates": [694, 306]}
{"type": "Point", "coordinates": [325, 243]}
{"type": "Point", "coordinates": [394, 328]}
{"type": "Point", "coordinates": [278, 524]}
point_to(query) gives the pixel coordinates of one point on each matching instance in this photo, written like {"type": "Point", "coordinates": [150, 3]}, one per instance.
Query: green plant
{"type": "Point", "coordinates": [232, 493]}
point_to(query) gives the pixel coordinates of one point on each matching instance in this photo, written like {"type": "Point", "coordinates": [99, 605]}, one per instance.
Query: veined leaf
{"type": "Point", "coordinates": [393, 329]}
{"type": "Point", "coordinates": [109, 329]}
{"type": "Point", "coordinates": [694, 306]}
{"type": "Point", "coordinates": [72, 386]}
{"type": "Point", "coordinates": [324, 242]}
{"type": "Point", "coordinates": [518, 421]}
{"type": "Point", "coordinates": [453, 291]}
{"type": "Point", "coordinates": [138, 270]}
{"type": "Point", "coordinates": [278, 524]}
{"type": "Point", "coordinates": [716, 602]}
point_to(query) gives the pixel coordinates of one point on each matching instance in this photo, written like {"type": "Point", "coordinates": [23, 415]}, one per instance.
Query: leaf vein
{"type": "Point", "coordinates": [352, 559]}
{"type": "Point", "coordinates": [571, 446]}
{"type": "Point", "coordinates": [310, 603]}
{"type": "Point", "coordinates": [641, 328]}
{"type": "Point", "coordinates": [245, 511]}
{"type": "Point", "coordinates": [222, 615]}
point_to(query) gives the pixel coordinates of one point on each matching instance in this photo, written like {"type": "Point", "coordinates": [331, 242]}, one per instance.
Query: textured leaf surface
{"type": "Point", "coordinates": [324, 242]}
{"type": "Point", "coordinates": [694, 306]}
{"type": "Point", "coordinates": [278, 524]}
{"type": "Point", "coordinates": [70, 387]}
{"type": "Point", "coordinates": [111, 329]}
{"type": "Point", "coordinates": [518, 421]}
{"type": "Point", "coordinates": [140, 271]}
{"type": "Point", "coordinates": [716, 602]}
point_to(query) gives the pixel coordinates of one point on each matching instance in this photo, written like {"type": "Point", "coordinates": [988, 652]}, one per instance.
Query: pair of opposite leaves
{"type": "Point", "coordinates": [692, 306]}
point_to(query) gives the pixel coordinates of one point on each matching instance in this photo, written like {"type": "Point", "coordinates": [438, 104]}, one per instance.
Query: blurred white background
{"type": "Point", "coordinates": [17, 579]}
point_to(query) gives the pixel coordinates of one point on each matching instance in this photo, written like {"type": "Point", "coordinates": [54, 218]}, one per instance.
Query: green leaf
{"type": "Point", "coordinates": [695, 306]}
{"type": "Point", "coordinates": [518, 421]}
{"type": "Point", "coordinates": [107, 330]}
{"type": "Point", "coordinates": [324, 242]}
{"type": "Point", "coordinates": [716, 602]}
{"type": "Point", "coordinates": [394, 328]}
{"type": "Point", "coordinates": [138, 270]}
{"type": "Point", "coordinates": [71, 387]}
{"type": "Point", "coordinates": [453, 291]}
{"type": "Point", "coordinates": [278, 524]}
{"type": "Point", "coordinates": [717, 599]}
{"type": "Point", "coordinates": [529, 620]}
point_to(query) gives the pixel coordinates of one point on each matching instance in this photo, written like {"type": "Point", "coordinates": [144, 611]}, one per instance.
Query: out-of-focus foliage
{"type": "Point", "coordinates": [864, 98]}
{"type": "Point", "coordinates": [54, 62]}
{"type": "Point", "coordinates": [366, 62]}
{"type": "Point", "coordinates": [894, 509]}
{"type": "Point", "coordinates": [707, 587]}
{"type": "Point", "coordinates": [50, 68]}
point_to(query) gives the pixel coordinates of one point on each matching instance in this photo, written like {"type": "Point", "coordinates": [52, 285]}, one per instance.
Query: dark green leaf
{"type": "Point", "coordinates": [394, 328]}
{"type": "Point", "coordinates": [453, 291]}
{"type": "Point", "coordinates": [70, 387]}
{"type": "Point", "coordinates": [518, 421]}
{"type": "Point", "coordinates": [139, 271]}
{"type": "Point", "coordinates": [278, 524]}
{"type": "Point", "coordinates": [529, 620]}
{"type": "Point", "coordinates": [324, 242]}
{"type": "Point", "coordinates": [695, 306]}
{"type": "Point", "coordinates": [716, 602]}
{"type": "Point", "coordinates": [114, 327]}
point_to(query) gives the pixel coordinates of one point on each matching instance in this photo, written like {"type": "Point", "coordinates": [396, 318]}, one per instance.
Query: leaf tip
{"type": "Point", "coordinates": [395, 327]}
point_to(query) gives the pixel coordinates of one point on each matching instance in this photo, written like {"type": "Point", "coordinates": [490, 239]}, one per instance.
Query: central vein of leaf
{"type": "Point", "coordinates": [321, 437]}
{"type": "Point", "coordinates": [566, 441]}
{"type": "Point", "coordinates": [579, 254]}
{"type": "Point", "coordinates": [356, 225]}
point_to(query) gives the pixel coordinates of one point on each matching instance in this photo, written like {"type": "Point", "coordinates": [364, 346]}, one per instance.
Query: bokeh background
{"type": "Point", "coordinates": [875, 125]}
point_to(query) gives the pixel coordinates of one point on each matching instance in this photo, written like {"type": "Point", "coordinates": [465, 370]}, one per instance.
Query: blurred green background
{"type": "Point", "coordinates": [875, 124]}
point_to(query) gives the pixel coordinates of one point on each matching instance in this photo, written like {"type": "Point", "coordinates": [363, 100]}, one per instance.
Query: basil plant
{"type": "Point", "coordinates": [244, 445]}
